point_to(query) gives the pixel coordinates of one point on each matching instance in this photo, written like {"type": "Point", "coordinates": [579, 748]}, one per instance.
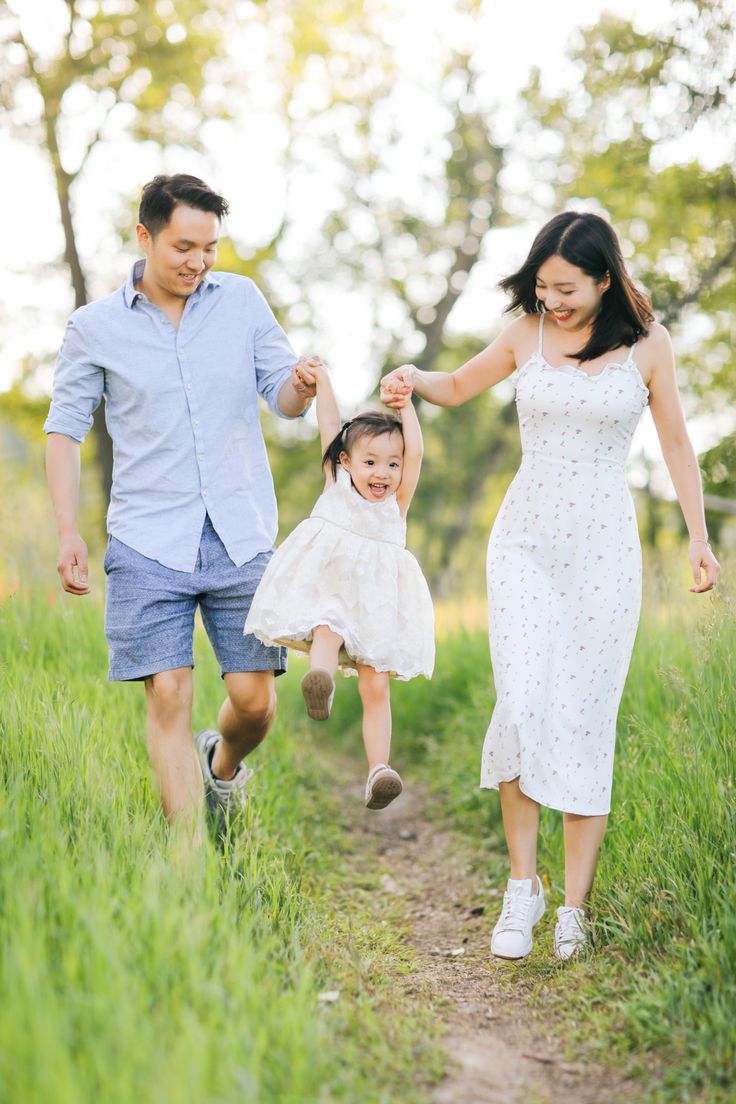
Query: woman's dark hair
{"type": "Point", "coordinates": [162, 194]}
{"type": "Point", "coordinates": [590, 243]}
{"type": "Point", "coordinates": [374, 423]}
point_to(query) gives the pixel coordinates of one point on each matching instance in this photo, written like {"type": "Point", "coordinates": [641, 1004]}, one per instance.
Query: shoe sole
{"type": "Point", "coordinates": [318, 688]}
{"type": "Point", "coordinates": [384, 791]}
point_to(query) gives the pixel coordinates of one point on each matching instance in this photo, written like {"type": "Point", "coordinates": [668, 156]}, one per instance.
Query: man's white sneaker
{"type": "Point", "coordinates": [512, 935]}
{"type": "Point", "coordinates": [570, 934]}
{"type": "Point", "coordinates": [224, 797]}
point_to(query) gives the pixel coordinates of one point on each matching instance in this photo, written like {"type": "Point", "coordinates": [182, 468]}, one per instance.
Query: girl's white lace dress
{"type": "Point", "coordinates": [564, 585]}
{"type": "Point", "coordinates": [346, 566]}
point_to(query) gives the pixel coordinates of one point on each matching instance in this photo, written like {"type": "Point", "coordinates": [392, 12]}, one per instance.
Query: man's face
{"type": "Point", "coordinates": [183, 252]}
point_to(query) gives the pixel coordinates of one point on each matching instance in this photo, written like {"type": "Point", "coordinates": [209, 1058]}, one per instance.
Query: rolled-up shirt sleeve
{"type": "Point", "coordinates": [273, 354]}
{"type": "Point", "coordinates": [78, 384]}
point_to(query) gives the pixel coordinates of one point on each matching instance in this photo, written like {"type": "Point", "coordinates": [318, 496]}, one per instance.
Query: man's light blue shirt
{"type": "Point", "coordinates": [181, 407]}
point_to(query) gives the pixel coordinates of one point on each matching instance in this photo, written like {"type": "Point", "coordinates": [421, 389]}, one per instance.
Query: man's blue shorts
{"type": "Point", "coordinates": [149, 611]}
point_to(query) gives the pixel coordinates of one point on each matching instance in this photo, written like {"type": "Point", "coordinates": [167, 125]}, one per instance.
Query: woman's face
{"type": "Point", "coordinates": [568, 293]}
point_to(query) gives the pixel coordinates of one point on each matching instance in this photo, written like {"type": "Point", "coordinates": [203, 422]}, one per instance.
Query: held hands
{"type": "Point", "coordinates": [73, 559]}
{"type": "Point", "coordinates": [702, 560]}
{"type": "Point", "coordinates": [397, 386]}
{"type": "Point", "coordinates": [306, 374]}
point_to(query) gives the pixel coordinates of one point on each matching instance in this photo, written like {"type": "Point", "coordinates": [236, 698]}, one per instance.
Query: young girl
{"type": "Point", "coordinates": [343, 585]}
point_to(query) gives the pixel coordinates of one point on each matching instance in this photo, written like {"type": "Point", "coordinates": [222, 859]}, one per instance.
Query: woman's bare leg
{"type": "Point", "coordinates": [521, 826]}
{"type": "Point", "coordinates": [583, 838]}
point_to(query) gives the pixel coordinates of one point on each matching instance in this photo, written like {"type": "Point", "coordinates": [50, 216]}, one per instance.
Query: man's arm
{"type": "Point", "coordinates": [62, 473]}
{"type": "Point", "coordinates": [296, 393]}
{"type": "Point", "coordinates": [76, 394]}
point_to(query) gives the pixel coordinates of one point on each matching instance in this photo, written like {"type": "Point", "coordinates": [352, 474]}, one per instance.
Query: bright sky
{"type": "Point", "coordinates": [510, 44]}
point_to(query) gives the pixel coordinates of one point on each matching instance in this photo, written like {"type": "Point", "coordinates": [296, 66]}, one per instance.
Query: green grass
{"type": "Point", "coordinates": [659, 997]}
{"type": "Point", "coordinates": [126, 974]}
{"type": "Point", "coordinates": [130, 974]}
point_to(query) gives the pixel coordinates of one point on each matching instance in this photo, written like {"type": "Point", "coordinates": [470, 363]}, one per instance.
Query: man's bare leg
{"type": "Point", "coordinates": [244, 719]}
{"type": "Point", "coordinates": [173, 759]}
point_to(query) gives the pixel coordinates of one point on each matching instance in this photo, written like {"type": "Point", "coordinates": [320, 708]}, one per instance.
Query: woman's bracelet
{"type": "Point", "coordinates": [700, 540]}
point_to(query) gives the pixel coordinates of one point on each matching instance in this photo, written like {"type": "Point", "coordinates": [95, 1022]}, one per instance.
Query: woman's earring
{"type": "Point", "coordinates": [541, 309]}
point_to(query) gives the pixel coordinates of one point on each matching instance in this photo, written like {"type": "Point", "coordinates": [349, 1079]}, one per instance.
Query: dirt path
{"type": "Point", "coordinates": [502, 1054]}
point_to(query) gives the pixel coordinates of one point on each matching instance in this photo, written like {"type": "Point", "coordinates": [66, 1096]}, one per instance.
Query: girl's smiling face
{"type": "Point", "coordinates": [375, 465]}
{"type": "Point", "coordinates": [569, 294]}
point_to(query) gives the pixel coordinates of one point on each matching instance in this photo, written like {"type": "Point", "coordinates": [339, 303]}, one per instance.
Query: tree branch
{"type": "Point", "coordinates": [673, 310]}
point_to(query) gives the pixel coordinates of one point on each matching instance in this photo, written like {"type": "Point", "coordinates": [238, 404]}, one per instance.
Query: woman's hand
{"type": "Point", "coordinates": [397, 386]}
{"type": "Point", "coordinates": [702, 560]}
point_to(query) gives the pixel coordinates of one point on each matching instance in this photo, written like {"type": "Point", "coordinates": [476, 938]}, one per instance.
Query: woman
{"type": "Point", "coordinates": [564, 560]}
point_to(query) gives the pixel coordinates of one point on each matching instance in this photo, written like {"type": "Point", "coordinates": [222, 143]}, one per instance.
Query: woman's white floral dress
{"type": "Point", "coordinates": [564, 585]}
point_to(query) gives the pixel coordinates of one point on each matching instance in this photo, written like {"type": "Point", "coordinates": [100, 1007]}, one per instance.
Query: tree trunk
{"type": "Point", "coordinates": [79, 283]}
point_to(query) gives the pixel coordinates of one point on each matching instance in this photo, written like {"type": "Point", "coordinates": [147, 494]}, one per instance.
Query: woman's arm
{"type": "Point", "coordinates": [495, 363]}
{"type": "Point", "coordinates": [679, 455]}
{"type": "Point", "coordinates": [413, 452]}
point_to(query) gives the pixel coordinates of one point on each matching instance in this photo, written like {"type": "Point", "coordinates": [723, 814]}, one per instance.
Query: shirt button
{"type": "Point", "coordinates": [189, 387]}
{"type": "Point", "coordinates": [204, 494]}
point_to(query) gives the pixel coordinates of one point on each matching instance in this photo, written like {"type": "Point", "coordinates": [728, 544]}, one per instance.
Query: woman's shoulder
{"type": "Point", "coordinates": [653, 347]}
{"type": "Point", "coordinates": [657, 338]}
{"type": "Point", "coordinates": [521, 327]}
{"type": "Point", "coordinates": [521, 337]}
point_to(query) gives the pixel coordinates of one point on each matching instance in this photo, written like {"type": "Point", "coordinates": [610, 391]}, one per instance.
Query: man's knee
{"type": "Point", "coordinates": [253, 698]}
{"type": "Point", "coordinates": [169, 694]}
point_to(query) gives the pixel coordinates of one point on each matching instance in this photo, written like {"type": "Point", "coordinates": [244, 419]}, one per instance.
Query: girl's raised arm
{"type": "Point", "coordinates": [312, 371]}
{"type": "Point", "coordinates": [413, 452]}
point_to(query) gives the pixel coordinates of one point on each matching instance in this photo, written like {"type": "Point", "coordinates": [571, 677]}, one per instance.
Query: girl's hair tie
{"type": "Point", "coordinates": [346, 426]}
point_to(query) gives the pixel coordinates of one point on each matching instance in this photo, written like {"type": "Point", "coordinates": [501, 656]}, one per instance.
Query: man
{"type": "Point", "coordinates": [181, 356]}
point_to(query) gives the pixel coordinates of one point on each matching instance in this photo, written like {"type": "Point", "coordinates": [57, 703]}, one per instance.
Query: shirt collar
{"type": "Point", "coordinates": [131, 293]}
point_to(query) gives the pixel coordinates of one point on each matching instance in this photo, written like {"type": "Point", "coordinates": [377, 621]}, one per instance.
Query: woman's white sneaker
{"type": "Point", "coordinates": [512, 935]}
{"type": "Point", "coordinates": [570, 934]}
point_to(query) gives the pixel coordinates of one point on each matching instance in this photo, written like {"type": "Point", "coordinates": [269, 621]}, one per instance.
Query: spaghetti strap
{"type": "Point", "coordinates": [541, 329]}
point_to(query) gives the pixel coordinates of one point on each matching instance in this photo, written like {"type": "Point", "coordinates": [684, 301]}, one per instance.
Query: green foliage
{"type": "Point", "coordinates": [718, 466]}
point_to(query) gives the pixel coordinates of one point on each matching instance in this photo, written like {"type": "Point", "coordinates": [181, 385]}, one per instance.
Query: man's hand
{"type": "Point", "coordinates": [72, 565]}
{"type": "Point", "coordinates": [304, 376]}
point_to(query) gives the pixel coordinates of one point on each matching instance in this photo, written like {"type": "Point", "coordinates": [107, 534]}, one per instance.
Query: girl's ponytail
{"type": "Point", "coordinates": [335, 447]}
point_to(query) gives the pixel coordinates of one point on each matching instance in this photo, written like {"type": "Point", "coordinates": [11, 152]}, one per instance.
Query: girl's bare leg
{"type": "Point", "coordinates": [521, 826]}
{"type": "Point", "coordinates": [373, 687]}
{"type": "Point", "coordinates": [325, 649]}
{"type": "Point", "coordinates": [583, 838]}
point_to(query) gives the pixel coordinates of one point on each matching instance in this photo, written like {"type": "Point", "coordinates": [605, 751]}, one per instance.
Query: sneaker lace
{"type": "Point", "coordinates": [514, 912]}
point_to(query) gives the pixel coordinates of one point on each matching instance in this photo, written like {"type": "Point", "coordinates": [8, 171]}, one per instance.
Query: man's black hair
{"type": "Point", "coordinates": [162, 194]}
